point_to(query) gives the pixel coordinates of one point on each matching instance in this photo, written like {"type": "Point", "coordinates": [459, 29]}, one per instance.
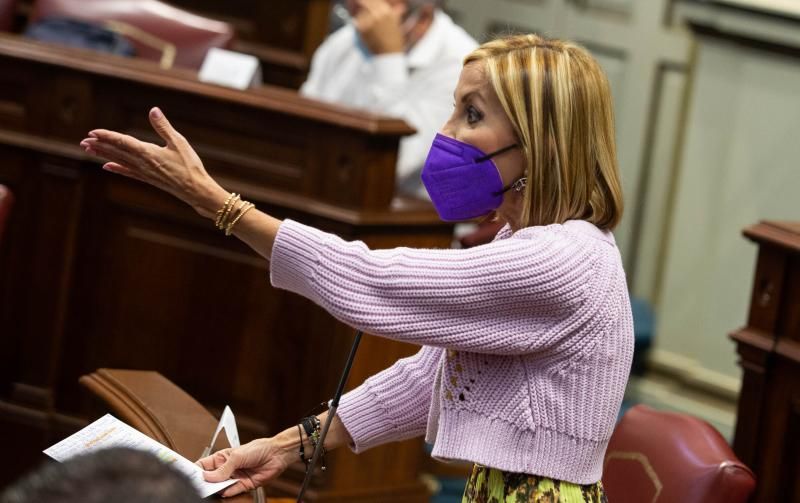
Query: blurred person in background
{"type": "Point", "coordinates": [400, 58]}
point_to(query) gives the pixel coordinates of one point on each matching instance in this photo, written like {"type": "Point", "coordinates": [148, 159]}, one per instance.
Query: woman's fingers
{"type": "Point", "coordinates": [238, 488]}
{"type": "Point", "coordinates": [223, 470]}
{"type": "Point", "coordinates": [164, 129]}
{"type": "Point", "coordinates": [116, 155]}
{"type": "Point", "coordinates": [119, 169]}
{"type": "Point", "coordinates": [129, 145]}
{"type": "Point", "coordinates": [175, 168]}
{"type": "Point", "coordinates": [206, 463]}
{"type": "Point", "coordinates": [214, 461]}
{"type": "Point", "coordinates": [119, 140]}
{"type": "Point", "coordinates": [210, 464]}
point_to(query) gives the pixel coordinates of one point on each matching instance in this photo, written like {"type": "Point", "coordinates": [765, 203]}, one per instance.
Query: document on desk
{"type": "Point", "coordinates": [109, 431]}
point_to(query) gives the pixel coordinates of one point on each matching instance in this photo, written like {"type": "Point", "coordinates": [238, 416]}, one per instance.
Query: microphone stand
{"type": "Point", "coordinates": [334, 404]}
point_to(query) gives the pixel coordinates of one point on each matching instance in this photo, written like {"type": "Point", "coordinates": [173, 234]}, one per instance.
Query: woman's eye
{"type": "Point", "coordinates": [473, 115]}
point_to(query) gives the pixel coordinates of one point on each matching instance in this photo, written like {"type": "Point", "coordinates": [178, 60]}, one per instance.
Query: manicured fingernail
{"type": "Point", "coordinates": [156, 113]}
{"type": "Point", "coordinates": [85, 144]}
{"type": "Point", "coordinates": [105, 167]}
{"type": "Point", "coordinates": [93, 134]}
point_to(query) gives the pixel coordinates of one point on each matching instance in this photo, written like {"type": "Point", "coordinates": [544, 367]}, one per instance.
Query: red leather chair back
{"type": "Point", "coordinates": [6, 201]}
{"type": "Point", "coordinates": [192, 35]}
{"type": "Point", "coordinates": [7, 10]}
{"type": "Point", "coordinates": [665, 457]}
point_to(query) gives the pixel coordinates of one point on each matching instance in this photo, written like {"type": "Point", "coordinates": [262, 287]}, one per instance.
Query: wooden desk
{"type": "Point", "coordinates": [283, 35]}
{"type": "Point", "coordinates": [152, 404]}
{"type": "Point", "coordinates": [99, 271]}
{"type": "Point", "coordinates": [768, 421]}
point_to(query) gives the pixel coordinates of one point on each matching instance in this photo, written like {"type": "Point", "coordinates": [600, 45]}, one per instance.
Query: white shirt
{"type": "Point", "coordinates": [416, 86]}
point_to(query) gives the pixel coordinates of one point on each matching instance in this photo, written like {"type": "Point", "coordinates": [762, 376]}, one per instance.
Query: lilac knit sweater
{"type": "Point", "coordinates": [527, 342]}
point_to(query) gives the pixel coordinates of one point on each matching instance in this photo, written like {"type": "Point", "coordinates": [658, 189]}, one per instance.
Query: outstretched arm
{"type": "Point", "coordinates": [428, 297]}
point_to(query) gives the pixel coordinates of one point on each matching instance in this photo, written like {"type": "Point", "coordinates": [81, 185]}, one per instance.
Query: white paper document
{"type": "Point", "coordinates": [109, 431]}
{"type": "Point", "coordinates": [229, 68]}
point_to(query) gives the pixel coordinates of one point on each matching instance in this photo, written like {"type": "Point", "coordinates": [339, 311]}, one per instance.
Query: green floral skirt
{"type": "Point", "coordinates": [488, 485]}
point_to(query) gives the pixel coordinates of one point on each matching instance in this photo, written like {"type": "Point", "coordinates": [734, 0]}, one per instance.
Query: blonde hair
{"type": "Point", "coordinates": [559, 102]}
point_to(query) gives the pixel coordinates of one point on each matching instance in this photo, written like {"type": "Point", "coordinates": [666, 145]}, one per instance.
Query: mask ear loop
{"type": "Point", "coordinates": [519, 184]}
{"type": "Point", "coordinates": [495, 153]}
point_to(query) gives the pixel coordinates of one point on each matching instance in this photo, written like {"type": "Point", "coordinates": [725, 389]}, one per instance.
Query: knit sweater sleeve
{"type": "Point", "coordinates": [502, 298]}
{"type": "Point", "coordinates": [391, 405]}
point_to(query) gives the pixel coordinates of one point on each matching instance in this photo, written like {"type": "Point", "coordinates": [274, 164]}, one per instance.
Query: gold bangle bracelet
{"type": "Point", "coordinates": [235, 210]}
{"type": "Point", "coordinates": [226, 211]}
{"type": "Point", "coordinates": [221, 211]}
{"type": "Point", "coordinates": [242, 212]}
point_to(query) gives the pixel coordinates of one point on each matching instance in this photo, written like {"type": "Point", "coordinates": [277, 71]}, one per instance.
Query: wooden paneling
{"type": "Point", "coordinates": [298, 25]}
{"type": "Point", "coordinates": [99, 271]}
{"type": "Point", "coordinates": [768, 421]}
{"type": "Point", "coordinates": [282, 34]}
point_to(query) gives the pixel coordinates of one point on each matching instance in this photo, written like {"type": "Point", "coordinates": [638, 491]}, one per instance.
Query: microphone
{"type": "Point", "coordinates": [333, 405]}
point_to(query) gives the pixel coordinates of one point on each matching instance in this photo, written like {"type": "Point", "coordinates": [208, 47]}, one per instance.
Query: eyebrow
{"type": "Point", "coordinates": [475, 92]}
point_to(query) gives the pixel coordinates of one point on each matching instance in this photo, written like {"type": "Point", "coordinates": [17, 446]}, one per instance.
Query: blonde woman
{"type": "Point", "coordinates": [526, 341]}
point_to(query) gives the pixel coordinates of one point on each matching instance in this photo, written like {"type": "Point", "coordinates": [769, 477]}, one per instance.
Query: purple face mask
{"type": "Point", "coordinates": [462, 180]}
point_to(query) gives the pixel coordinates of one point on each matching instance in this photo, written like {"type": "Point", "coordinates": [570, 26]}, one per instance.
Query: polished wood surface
{"type": "Point", "coordinates": [99, 271]}
{"type": "Point", "coordinates": [158, 408]}
{"type": "Point", "coordinates": [282, 34]}
{"type": "Point", "coordinates": [768, 422]}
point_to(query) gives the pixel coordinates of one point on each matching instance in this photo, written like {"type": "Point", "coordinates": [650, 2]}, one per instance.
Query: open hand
{"type": "Point", "coordinates": [252, 465]}
{"type": "Point", "coordinates": [174, 168]}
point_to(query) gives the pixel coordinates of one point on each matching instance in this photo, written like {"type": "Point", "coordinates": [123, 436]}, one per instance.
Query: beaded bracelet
{"type": "Point", "coordinates": [313, 427]}
{"type": "Point", "coordinates": [244, 208]}
{"type": "Point", "coordinates": [222, 213]}
{"type": "Point", "coordinates": [230, 213]}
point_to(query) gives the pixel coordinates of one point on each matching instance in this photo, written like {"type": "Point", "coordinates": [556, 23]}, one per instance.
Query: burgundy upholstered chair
{"type": "Point", "coordinates": [154, 28]}
{"type": "Point", "coordinates": [8, 9]}
{"type": "Point", "coordinates": [666, 457]}
{"type": "Point", "coordinates": [6, 201]}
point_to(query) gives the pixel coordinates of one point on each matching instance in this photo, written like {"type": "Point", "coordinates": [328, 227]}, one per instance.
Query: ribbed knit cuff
{"type": "Point", "coordinates": [364, 419]}
{"type": "Point", "coordinates": [295, 255]}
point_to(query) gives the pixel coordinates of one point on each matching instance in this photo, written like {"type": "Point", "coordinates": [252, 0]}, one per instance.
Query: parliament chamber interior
{"type": "Point", "coordinates": [116, 297]}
